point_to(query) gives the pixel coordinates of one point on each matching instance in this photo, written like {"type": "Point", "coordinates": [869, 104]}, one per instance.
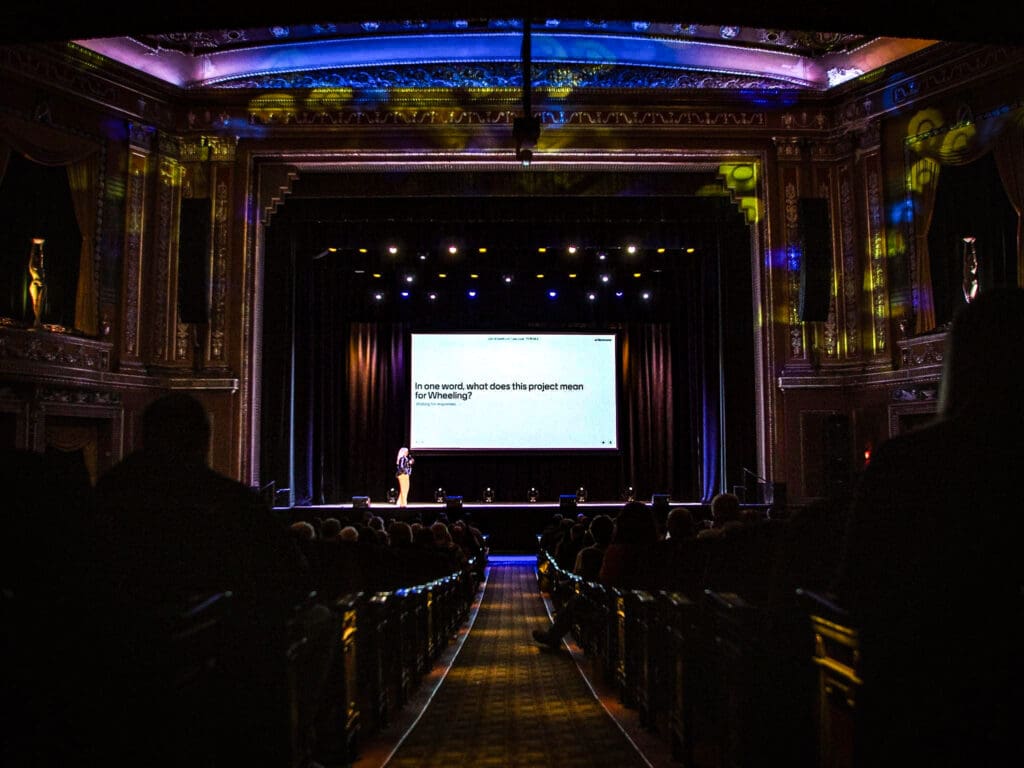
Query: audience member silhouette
{"type": "Point", "coordinates": [588, 559]}
{"type": "Point", "coordinates": [932, 570]}
{"type": "Point", "coordinates": [171, 528]}
{"type": "Point", "coordinates": [625, 565]}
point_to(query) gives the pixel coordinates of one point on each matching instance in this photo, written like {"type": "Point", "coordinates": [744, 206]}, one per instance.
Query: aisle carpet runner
{"type": "Point", "coordinates": [509, 703]}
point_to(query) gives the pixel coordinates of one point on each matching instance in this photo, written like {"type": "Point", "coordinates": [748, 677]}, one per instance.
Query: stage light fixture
{"type": "Point", "coordinates": [605, 278]}
{"type": "Point", "coordinates": [488, 495]}
{"type": "Point", "coordinates": [409, 278]}
{"type": "Point", "coordinates": [392, 249]}
{"type": "Point", "coordinates": [631, 249]}
{"type": "Point", "coordinates": [453, 249]}
{"type": "Point", "coordinates": [591, 296]}
{"type": "Point", "coordinates": [532, 495]}
{"type": "Point", "coordinates": [507, 278]}
{"type": "Point", "coordinates": [378, 296]}
{"type": "Point", "coordinates": [405, 294]}
{"type": "Point", "coordinates": [601, 256]}
{"type": "Point", "coordinates": [618, 294]}
{"type": "Point", "coordinates": [572, 249]}
{"type": "Point", "coordinates": [439, 495]}
{"type": "Point", "coordinates": [471, 294]}
{"type": "Point", "coordinates": [392, 496]}
{"type": "Point", "coordinates": [646, 295]}
{"type": "Point", "coordinates": [581, 495]}
{"type": "Point", "coordinates": [432, 296]}
{"type": "Point", "coordinates": [552, 294]}
{"type": "Point", "coordinates": [629, 494]}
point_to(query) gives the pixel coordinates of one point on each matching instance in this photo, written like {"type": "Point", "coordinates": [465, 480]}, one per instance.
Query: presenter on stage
{"type": "Point", "coordinates": [403, 468]}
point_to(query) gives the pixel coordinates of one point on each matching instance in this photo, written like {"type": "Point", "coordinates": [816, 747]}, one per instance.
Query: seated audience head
{"type": "Point", "coordinates": [635, 525]}
{"type": "Point", "coordinates": [984, 361]}
{"type": "Point", "coordinates": [175, 427]}
{"type": "Point", "coordinates": [330, 528]}
{"type": "Point", "coordinates": [725, 508]}
{"type": "Point", "coordinates": [349, 533]}
{"type": "Point", "coordinates": [303, 531]}
{"type": "Point", "coordinates": [442, 536]}
{"type": "Point", "coordinates": [680, 525]}
{"type": "Point", "coordinates": [601, 528]}
{"type": "Point", "coordinates": [400, 533]}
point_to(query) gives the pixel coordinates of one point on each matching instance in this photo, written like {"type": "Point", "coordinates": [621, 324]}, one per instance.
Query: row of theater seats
{"type": "Point", "coordinates": [724, 682]}
{"type": "Point", "coordinates": [188, 685]}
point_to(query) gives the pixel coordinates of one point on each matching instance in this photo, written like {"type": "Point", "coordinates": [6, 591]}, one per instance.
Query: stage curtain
{"type": "Point", "coordinates": [1009, 155]}
{"type": "Point", "coordinates": [82, 177]}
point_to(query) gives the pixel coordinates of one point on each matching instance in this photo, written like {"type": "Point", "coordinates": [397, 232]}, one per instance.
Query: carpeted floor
{"type": "Point", "coordinates": [506, 701]}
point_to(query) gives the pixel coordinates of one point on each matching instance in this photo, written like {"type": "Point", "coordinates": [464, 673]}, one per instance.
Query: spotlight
{"type": "Point", "coordinates": [471, 294]}
{"type": "Point", "coordinates": [552, 294]}
{"type": "Point", "coordinates": [392, 249]}
{"type": "Point", "coordinates": [453, 249]}
{"type": "Point", "coordinates": [392, 496]}
{"type": "Point", "coordinates": [405, 294]}
{"type": "Point", "coordinates": [378, 296]}
{"type": "Point", "coordinates": [591, 296]}
{"type": "Point", "coordinates": [572, 249]}
{"type": "Point", "coordinates": [532, 495]}
{"type": "Point", "coordinates": [581, 495]}
{"type": "Point", "coordinates": [507, 278]}
{"type": "Point", "coordinates": [439, 496]}
{"type": "Point", "coordinates": [646, 295]}
{"type": "Point", "coordinates": [488, 495]}
{"type": "Point", "coordinates": [409, 278]}
{"type": "Point", "coordinates": [432, 296]}
{"type": "Point", "coordinates": [630, 249]}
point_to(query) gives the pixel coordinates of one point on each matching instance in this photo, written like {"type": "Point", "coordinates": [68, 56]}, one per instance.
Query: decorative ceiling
{"type": "Point", "coordinates": [565, 53]}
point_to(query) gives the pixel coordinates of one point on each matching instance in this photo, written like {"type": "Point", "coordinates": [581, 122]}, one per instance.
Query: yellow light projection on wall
{"type": "Point", "coordinates": [741, 180]}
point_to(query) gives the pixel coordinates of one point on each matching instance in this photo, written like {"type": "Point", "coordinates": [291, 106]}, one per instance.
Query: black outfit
{"type": "Point", "coordinates": [932, 575]}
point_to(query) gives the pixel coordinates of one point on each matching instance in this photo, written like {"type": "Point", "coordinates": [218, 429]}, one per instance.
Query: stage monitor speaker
{"type": "Point", "coordinates": [453, 504]}
{"type": "Point", "coordinates": [360, 502]}
{"type": "Point", "coordinates": [567, 501]}
{"type": "Point", "coordinates": [194, 261]}
{"type": "Point", "coordinates": [815, 259]}
{"type": "Point", "coordinates": [659, 500]}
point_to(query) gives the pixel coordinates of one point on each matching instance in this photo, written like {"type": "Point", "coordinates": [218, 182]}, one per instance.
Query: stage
{"type": "Point", "coordinates": [511, 528]}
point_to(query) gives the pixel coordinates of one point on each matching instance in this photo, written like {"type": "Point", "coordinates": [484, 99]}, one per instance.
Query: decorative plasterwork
{"type": "Point", "coordinates": [68, 351]}
{"type": "Point", "coordinates": [792, 269]}
{"type": "Point", "coordinates": [851, 284]}
{"type": "Point", "coordinates": [922, 351]}
{"type": "Point", "coordinates": [219, 276]}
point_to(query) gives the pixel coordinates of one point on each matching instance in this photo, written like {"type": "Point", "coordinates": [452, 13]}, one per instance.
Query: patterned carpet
{"type": "Point", "coordinates": [507, 702]}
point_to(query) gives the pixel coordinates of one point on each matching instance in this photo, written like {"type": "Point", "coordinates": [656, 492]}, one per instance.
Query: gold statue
{"type": "Point", "coordinates": [37, 288]}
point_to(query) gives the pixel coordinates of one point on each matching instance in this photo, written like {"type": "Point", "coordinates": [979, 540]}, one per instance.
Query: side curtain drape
{"type": "Point", "coordinates": [82, 177]}
{"type": "Point", "coordinates": [649, 429]}
{"type": "Point", "coordinates": [1009, 156]}
{"type": "Point", "coordinates": [960, 145]}
{"type": "Point", "coordinates": [376, 387]}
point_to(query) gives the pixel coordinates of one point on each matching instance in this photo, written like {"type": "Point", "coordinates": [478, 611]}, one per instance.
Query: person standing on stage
{"type": "Point", "coordinates": [403, 469]}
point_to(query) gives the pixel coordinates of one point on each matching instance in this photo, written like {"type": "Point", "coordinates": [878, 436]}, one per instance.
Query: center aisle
{"type": "Point", "coordinates": [508, 702]}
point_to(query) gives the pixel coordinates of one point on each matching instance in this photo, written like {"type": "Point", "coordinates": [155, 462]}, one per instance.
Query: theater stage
{"type": "Point", "coordinates": [511, 528]}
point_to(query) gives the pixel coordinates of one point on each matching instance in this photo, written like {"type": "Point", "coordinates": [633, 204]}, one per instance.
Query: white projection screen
{"type": "Point", "coordinates": [513, 392]}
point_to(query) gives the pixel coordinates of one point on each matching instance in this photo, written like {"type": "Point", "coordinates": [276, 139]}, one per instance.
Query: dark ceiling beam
{"type": "Point", "coordinates": [24, 21]}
